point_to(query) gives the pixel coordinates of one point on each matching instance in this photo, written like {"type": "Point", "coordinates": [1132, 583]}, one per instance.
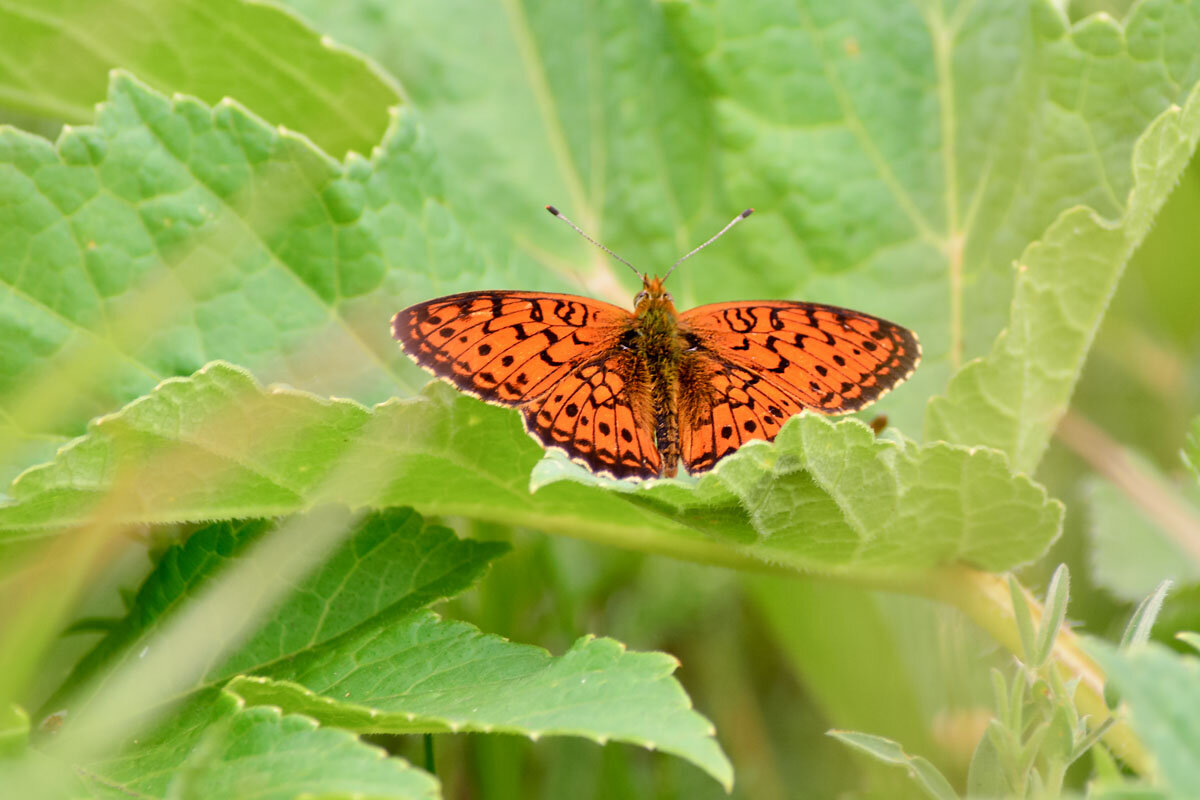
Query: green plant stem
{"type": "Point", "coordinates": [985, 598]}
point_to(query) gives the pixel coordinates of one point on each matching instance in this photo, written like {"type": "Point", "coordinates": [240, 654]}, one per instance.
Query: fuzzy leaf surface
{"type": "Point", "coordinates": [1012, 398]}
{"type": "Point", "coordinates": [900, 156]}
{"type": "Point", "coordinates": [825, 495]}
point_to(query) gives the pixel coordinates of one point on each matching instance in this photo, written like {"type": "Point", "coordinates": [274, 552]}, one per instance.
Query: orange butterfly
{"type": "Point", "coordinates": [631, 394]}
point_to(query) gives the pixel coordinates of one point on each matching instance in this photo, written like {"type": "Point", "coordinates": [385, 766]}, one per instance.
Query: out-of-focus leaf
{"type": "Point", "coordinates": [1162, 690]}
{"type": "Point", "coordinates": [1012, 398]}
{"type": "Point", "coordinates": [848, 653]}
{"type": "Point", "coordinates": [1132, 554]}
{"type": "Point", "coordinates": [924, 773]}
{"type": "Point", "coordinates": [14, 730]}
{"type": "Point", "coordinates": [1137, 632]}
{"type": "Point", "coordinates": [58, 54]}
{"type": "Point", "coordinates": [1191, 449]}
{"type": "Point", "coordinates": [828, 495]}
{"type": "Point", "coordinates": [987, 777]}
{"type": "Point", "coordinates": [1053, 614]}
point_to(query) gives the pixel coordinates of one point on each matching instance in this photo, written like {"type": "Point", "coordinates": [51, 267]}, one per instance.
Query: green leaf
{"type": "Point", "coordinates": [924, 773]}
{"type": "Point", "coordinates": [1024, 619]}
{"type": "Point", "coordinates": [391, 563]}
{"type": "Point", "coordinates": [427, 675]}
{"type": "Point", "coordinates": [217, 237]}
{"type": "Point", "coordinates": [1132, 553]}
{"type": "Point", "coordinates": [213, 747]}
{"type": "Point", "coordinates": [1012, 398]}
{"type": "Point", "coordinates": [986, 776]}
{"type": "Point", "coordinates": [1058, 745]}
{"type": "Point", "coordinates": [59, 55]}
{"type": "Point", "coordinates": [1137, 632]}
{"type": "Point", "coordinates": [170, 233]}
{"type": "Point", "coordinates": [1190, 638]}
{"type": "Point", "coordinates": [1053, 614]}
{"type": "Point", "coordinates": [868, 504]}
{"type": "Point", "coordinates": [260, 753]}
{"type": "Point", "coordinates": [898, 157]}
{"type": "Point", "coordinates": [1162, 690]}
{"type": "Point", "coordinates": [14, 730]}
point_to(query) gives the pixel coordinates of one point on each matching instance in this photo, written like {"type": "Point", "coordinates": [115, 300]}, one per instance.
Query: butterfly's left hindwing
{"type": "Point", "coordinates": [600, 415]}
{"type": "Point", "coordinates": [832, 360]}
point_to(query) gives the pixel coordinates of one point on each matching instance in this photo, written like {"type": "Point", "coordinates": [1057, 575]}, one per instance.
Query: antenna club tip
{"type": "Point", "coordinates": [747, 212]}
{"type": "Point", "coordinates": [552, 210]}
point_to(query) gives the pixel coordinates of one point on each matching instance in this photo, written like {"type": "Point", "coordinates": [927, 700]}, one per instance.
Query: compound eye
{"type": "Point", "coordinates": [669, 298]}
{"type": "Point", "coordinates": [640, 297]}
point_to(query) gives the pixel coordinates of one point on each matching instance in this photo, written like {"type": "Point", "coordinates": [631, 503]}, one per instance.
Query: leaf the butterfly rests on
{"type": "Point", "coordinates": [631, 394]}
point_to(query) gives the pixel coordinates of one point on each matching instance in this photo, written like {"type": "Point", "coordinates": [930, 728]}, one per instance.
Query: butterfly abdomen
{"type": "Point", "coordinates": [662, 352]}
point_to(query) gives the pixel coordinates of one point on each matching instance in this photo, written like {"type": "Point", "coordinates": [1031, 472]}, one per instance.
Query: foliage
{"type": "Point", "coordinates": [196, 275]}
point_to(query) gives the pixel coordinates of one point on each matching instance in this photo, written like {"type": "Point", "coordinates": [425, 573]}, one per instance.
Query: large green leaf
{"type": "Point", "coordinates": [390, 562]}
{"type": "Point", "coordinates": [58, 53]}
{"type": "Point", "coordinates": [1012, 398]}
{"type": "Point", "coordinates": [349, 645]}
{"type": "Point", "coordinates": [425, 674]}
{"type": "Point", "coordinates": [825, 495]}
{"type": "Point", "coordinates": [171, 233]}
{"type": "Point", "coordinates": [900, 155]}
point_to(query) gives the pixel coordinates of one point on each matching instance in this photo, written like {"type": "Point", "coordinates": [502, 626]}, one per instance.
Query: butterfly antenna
{"type": "Point", "coordinates": [578, 230]}
{"type": "Point", "coordinates": [718, 235]}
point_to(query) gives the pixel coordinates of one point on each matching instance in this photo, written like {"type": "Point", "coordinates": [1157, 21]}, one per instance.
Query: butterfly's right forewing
{"type": "Point", "coordinates": [507, 348]}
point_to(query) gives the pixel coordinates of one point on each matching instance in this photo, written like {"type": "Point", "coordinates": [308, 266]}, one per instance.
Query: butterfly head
{"type": "Point", "coordinates": [653, 295]}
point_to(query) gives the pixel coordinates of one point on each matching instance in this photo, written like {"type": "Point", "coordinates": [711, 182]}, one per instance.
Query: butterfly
{"type": "Point", "coordinates": [633, 394]}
